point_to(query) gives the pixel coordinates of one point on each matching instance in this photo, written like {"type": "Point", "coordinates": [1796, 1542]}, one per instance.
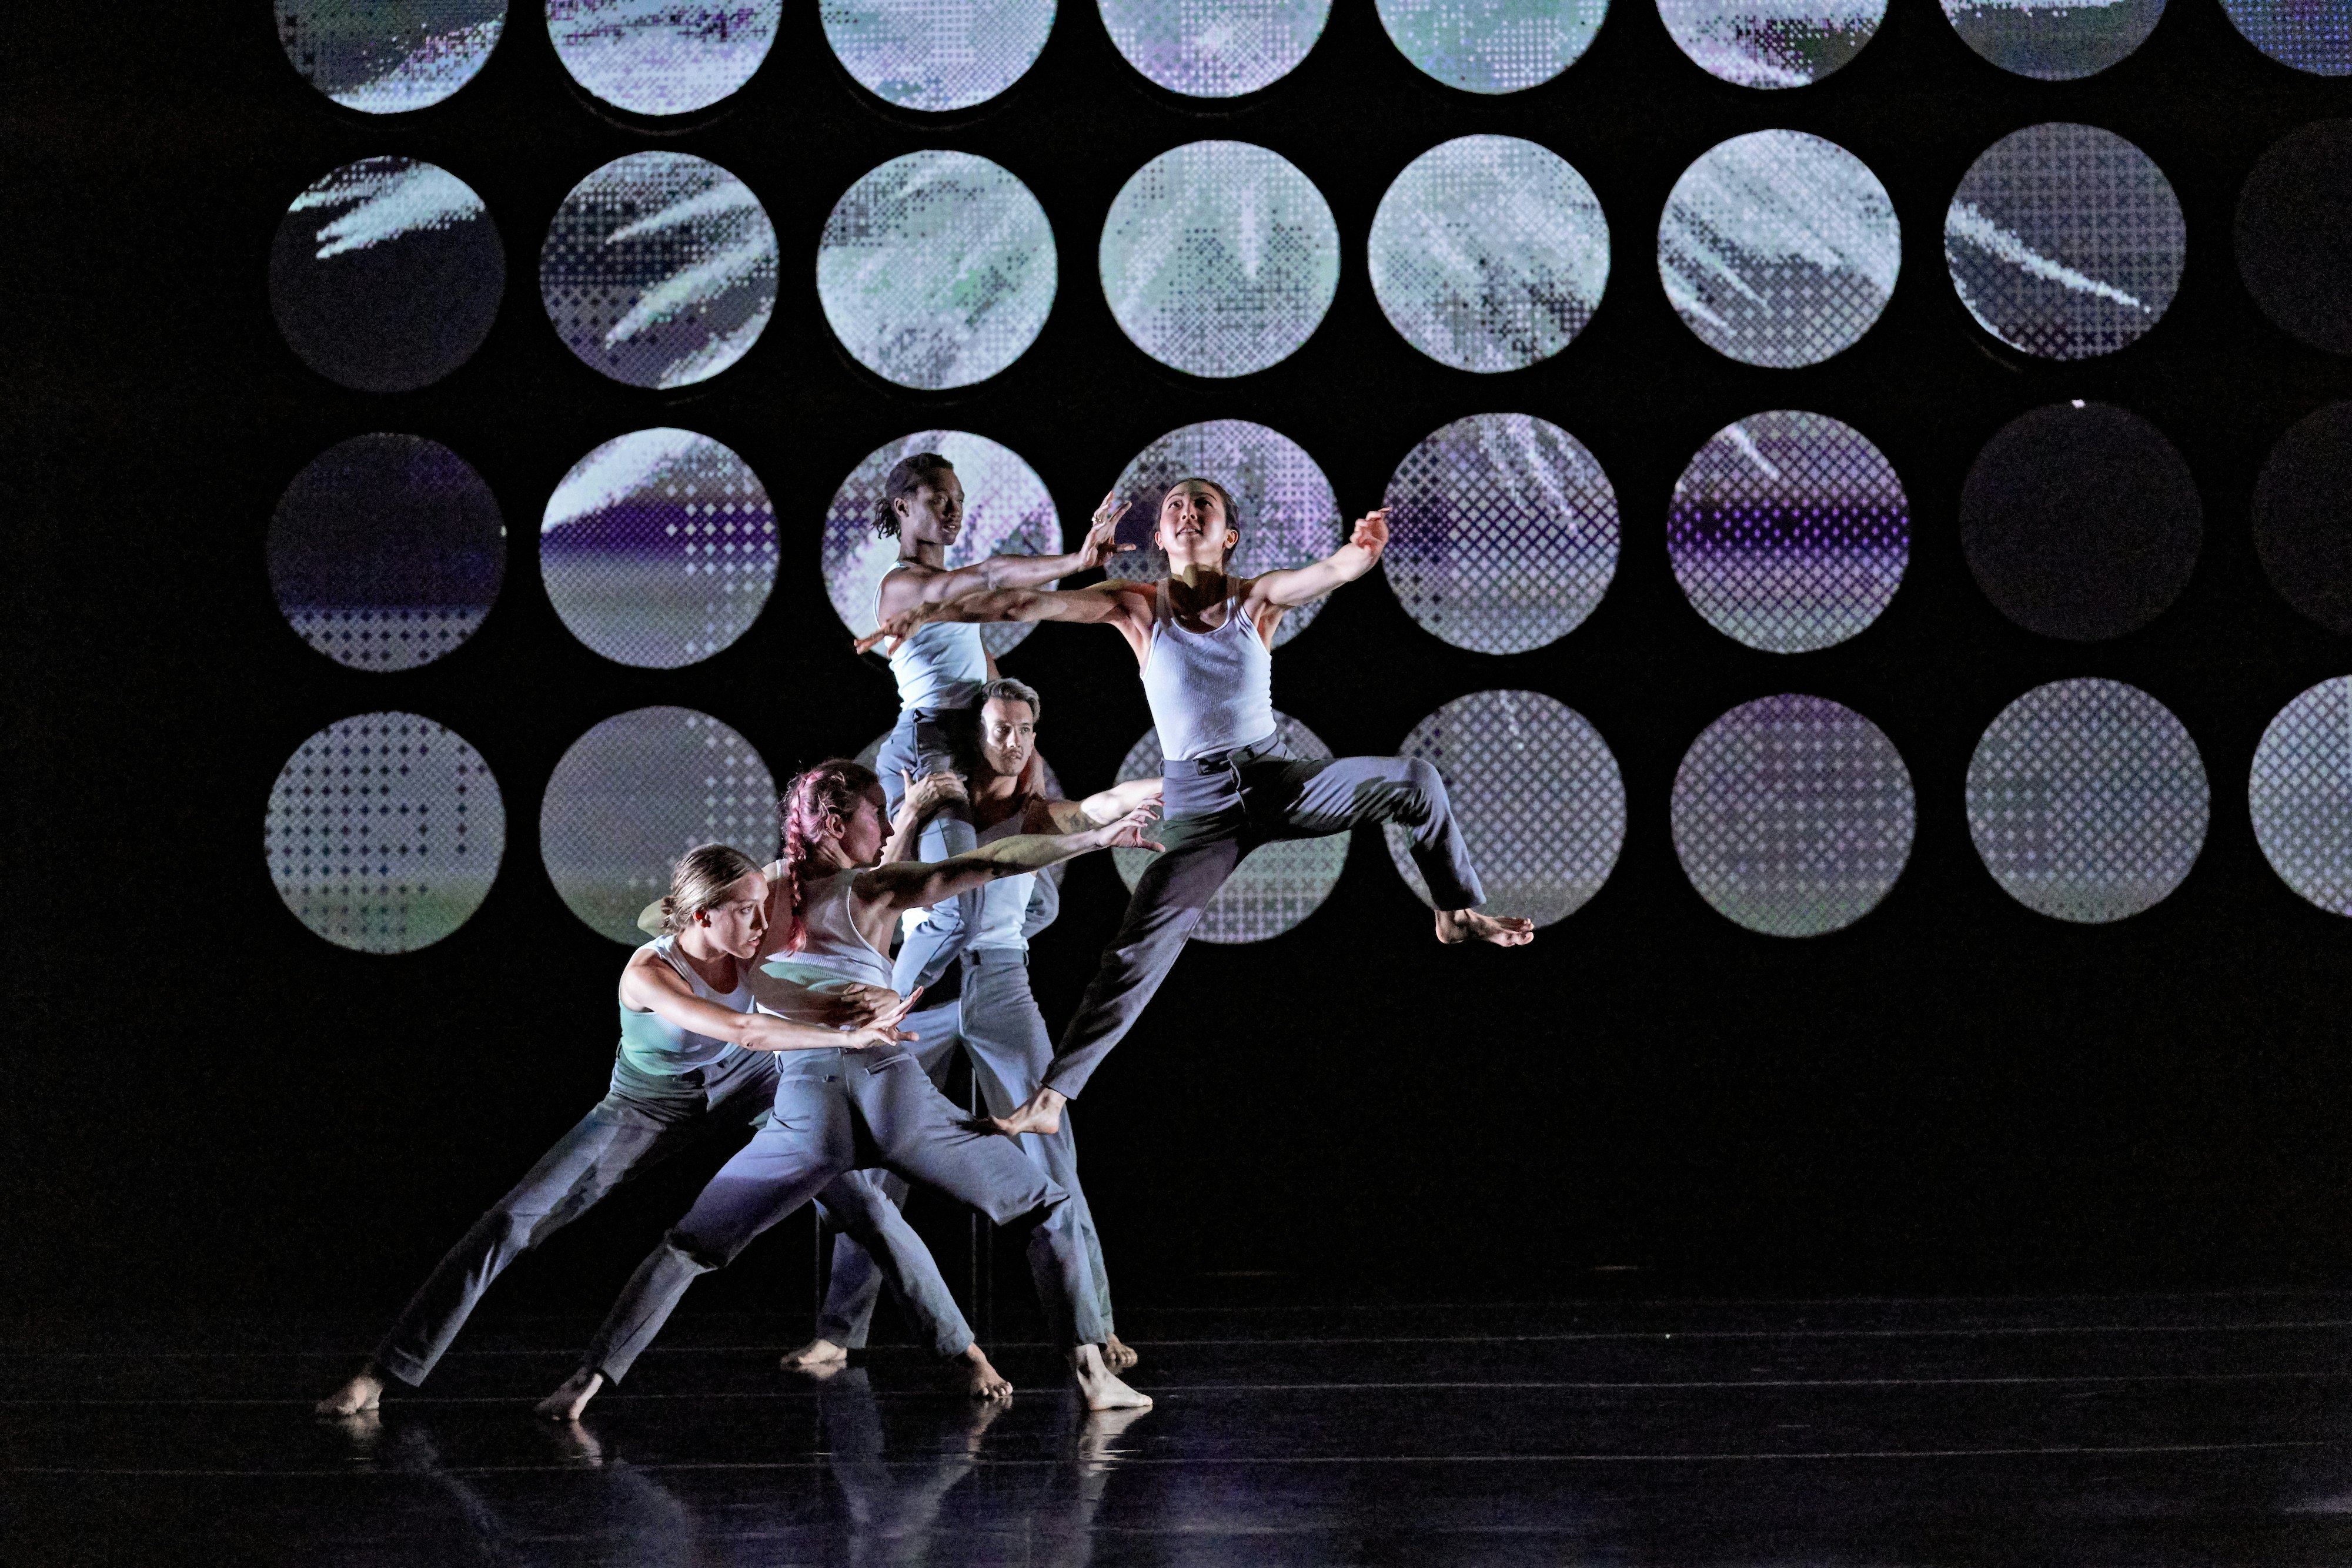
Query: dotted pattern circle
{"type": "Point", "coordinates": [1771, 42]}
{"type": "Point", "coordinates": [663, 57]}
{"type": "Point", "coordinates": [937, 55]}
{"type": "Point", "coordinates": [2301, 795]}
{"type": "Point", "coordinates": [389, 58]}
{"type": "Point", "coordinates": [2053, 42]}
{"type": "Point", "coordinates": [1214, 49]}
{"type": "Point", "coordinates": [1493, 46]}
{"type": "Point", "coordinates": [2313, 36]}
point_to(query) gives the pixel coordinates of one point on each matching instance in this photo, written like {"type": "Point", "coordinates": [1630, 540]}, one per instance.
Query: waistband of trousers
{"type": "Point", "coordinates": [1226, 761]}
{"type": "Point", "coordinates": [998, 958]}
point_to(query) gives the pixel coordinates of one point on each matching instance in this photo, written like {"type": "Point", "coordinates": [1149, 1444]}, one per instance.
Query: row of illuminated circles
{"type": "Point", "coordinates": [675, 57]}
{"type": "Point", "coordinates": [1791, 815]}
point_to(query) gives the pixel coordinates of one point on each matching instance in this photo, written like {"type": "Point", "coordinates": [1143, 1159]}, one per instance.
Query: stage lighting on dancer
{"type": "Point", "coordinates": [1502, 533]}
{"type": "Point", "coordinates": [1539, 796]}
{"type": "Point", "coordinates": [2053, 40]}
{"type": "Point", "coordinates": [2313, 36]}
{"type": "Point", "coordinates": [936, 270]}
{"type": "Point", "coordinates": [1219, 51]}
{"type": "Point", "coordinates": [386, 274]}
{"type": "Point", "coordinates": [1771, 42]}
{"type": "Point", "coordinates": [1794, 815]}
{"type": "Point", "coordinates": [1220, 259]}
{"type": "Point", "coordinates": [658, 548]}
{"type": "Point", "coordinates": [1789, 531]}
{"type": "Point", "coordinates": [2302, 517]}
{"type": "Point", "coordinates": [2294, 237]}
{"type": "Point", "coordinates": [920, 54]}
{"type": "Point", "coordinates": [1007, 510]}
{"type": "Point", "coordinates": [1489, 253]}
{"type": "Point", "coordinates": [662, 56]}
{"type": "Point", "coordinates": [388, 57]}
{"type": "Point", "coordinates": [637, 791]}
{"type": "Point", "coordinates": [384, 831]}
{"type": "Point", "coordinates": [1778, 248]}
{"type": "Point", "coordinates": [2301, 795]}
{"type": "Point", "coordinates": [2087, 801]}
{"type": "Point", "coordinates": [659, 270]}
{"type": "Point", "coordinates": [1492, 46]}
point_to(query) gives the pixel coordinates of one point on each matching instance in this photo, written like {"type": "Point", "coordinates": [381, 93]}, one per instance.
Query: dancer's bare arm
{"type": "Point", "coordinates": [1115, 602]}
{"type": "Point", "coordinates": [923, 796]}
{"type": "Point", "coordinates": [1266, 598]}
{"type": "Point", "coordinates": [910, 583]}
{"type": "Point", "coordinates": [868, 1016]}
{"type": "Point", "coordinates": [880, 895]}
{"type": "Point", "coordinates": [1104, 806]}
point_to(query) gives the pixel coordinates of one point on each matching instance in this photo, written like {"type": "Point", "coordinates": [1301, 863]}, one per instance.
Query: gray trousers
{"type": "Point", "coordinates": [923, 742]}
{"type": "Point", "coordinates": [839, 1110]}
{"type": "Point", "coordinates": [1218, 810]}
{"type": "Point", "coordinates": [999, 1025]}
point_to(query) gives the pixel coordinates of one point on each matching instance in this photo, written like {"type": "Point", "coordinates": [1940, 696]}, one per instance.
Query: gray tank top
{"type": "Point", "coordinates": [1004, 903]}
{"type": "Point", "coordinates": [1209, 691]}
{"type": "Point", "coordinates": [943, 665]}
{"type": "Point", "coordinates": [834, 954]}
{"type": "Point", "coordinates": [652, 1044]}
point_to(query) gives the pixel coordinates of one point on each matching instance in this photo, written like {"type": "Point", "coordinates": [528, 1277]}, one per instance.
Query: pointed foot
{"type": "Point", "coordinates": [567, 1402]}
{"type": "Point", "coordinates": [1099, 1386]}
{"type": "Point", "coordinates": [1459, 926]}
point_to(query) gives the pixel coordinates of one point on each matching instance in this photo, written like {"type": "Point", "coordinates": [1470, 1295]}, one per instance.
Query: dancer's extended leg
{"type": "Point", "coordinates": [1320, 797]}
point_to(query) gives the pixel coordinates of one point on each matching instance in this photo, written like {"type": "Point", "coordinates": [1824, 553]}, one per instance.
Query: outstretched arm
{"type": "Point", "coordinates": [902, 589]}
{"type": "Point", "coordinates": [1304, 584]}
{"type": "Point", "coordinates": [1112, 602]}
{"type": "Point", "coordinates": [650, 985]}
{"type": "Point", "coordinates": [886, 891]}
{"type": "Point", "coordinates": [1104, 806]}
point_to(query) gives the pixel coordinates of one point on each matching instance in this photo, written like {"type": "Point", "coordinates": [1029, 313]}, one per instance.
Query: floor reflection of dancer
{"type": "Point", "coordinates": [693, 1060]}
{"type": "Point", "coordinates": [1204, 643]}
{"type": "Point", "coordinates": [849, 1110]}
{"type": "Point", "coordinates": [995, 1016]}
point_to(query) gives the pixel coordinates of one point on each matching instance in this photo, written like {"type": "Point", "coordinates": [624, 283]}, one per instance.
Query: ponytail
{"type": "Point", "coordinates": [831, 788]}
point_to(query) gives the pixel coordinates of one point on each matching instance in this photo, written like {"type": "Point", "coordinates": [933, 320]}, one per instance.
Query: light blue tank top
{"type": "Point", "coordinates": [652, 1044]}
{"type": "Point", "coordinates": [835, 955]}
{"type": "Point", "coordinates": [943, 665]}
{"type": "Point", "coordinates": [1209, 691]}
{"type": "Point", "coordinates": [1004, 903]}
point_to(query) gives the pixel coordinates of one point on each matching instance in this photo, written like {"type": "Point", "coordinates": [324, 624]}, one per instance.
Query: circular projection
{"type": "Point", "coordinates": [384, 831]}
{"type": "Point", "coordinates": [1789, 531]}
{"type": "Point", "coordinates": [1493, 46]}
{"type": "Point", "coordinates": [937, 269]}
{"type": "Point", "coordinates": [1540, 799]}
{"type": "Point", "coordinates": [658, 548]}
{"type": "Point", "coordinates": [662, 56]}
{"type": "Point", "coordinates": [1218, 49]}
{"type": "Point", "coordinates": [921, 54]}
{"type": "Point", "coordinates": [1006, 511]}
{"type": "Point", "coordinates": [1771, 43]}
{"type": "Point", "coordinates": [2055, 40]}
{"type": "Point", "coordinates": [2087, 801]}
{"type": "Point", "coordinates": [1778, 248]}
{"type": "Point", "coordinates": [659, 270]}
{"type": "Point", "coordinates": [1289, 514]}
{"type": "Point", "coordinates": [2295, 229]}
{"type": "Point", "coordinates": [387, 56]}
{"type": "Point", "coordinates": [1220, 259]}
{"type": "Point", "coordinates": [387, 551]}
{"type": "Point", "coordinates": [1792, 816]}
{"type": "Point", "coordinates": [385, 274]}
{"type": "Point", "coordinates": [1489, 253]}
{"type": "Point", "coordinates": [2302, 517]}
{"type": "Point", "coordinates": [1502, 533]}
{"type": "Point", "coordinates": [2064, 241]}
{"type": "Point", "coordinates": [1279, 884]}
{"type": "Point", "coordinates": [636, 793]}
{"type": "Point", "coordinates": [2313, 36]}
{"type": "Point", "coordinates": [2301, 794]}
{"type": "Point", "coordinates": [2081, 521]}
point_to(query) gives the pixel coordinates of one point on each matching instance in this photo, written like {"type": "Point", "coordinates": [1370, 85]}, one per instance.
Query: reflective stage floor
{"type": "Point", "coordinates": [2082, 1432]}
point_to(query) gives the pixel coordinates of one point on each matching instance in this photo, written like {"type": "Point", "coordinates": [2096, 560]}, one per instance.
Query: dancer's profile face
{"type": "Point", "coordinates": [1193, 529]}
{"type": "Point", "coordinates": [933, 510]}
{"type": "Point", "coordinates": [862, 834]}
{"type": "Point", "coordinates": [736, 923]}
{"type": "Point", "coordinates": [1008, 736]}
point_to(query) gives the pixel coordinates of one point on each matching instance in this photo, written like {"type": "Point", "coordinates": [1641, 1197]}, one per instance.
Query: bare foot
{"type": "Point", "coordinates": [566, 1403]}
{"type": "Point", "coordinates": [1117, 1356]}
{"type": "Point", "coordinates": [361, 1392]}
{"type": "Point", "coordinates": [1468, 926]}
{"type": "Point", "coordinates": [1101, 1390]}
{"type": "Point", "coordinates": [978, 1379]}
{"type": "Point", "coordinates": [817, 1353]}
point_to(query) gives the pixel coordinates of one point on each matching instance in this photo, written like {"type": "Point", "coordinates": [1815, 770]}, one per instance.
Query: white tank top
{"type": "Point", "coordinates": [1209, 691]}
{"type": "Point", "coordinates": [1004, 903]}
{"type": "Point", "coordinates": [651, 1043]}
{"type": "Point", "coordinates": [834, 954]}
{"type": "Point", "coordinates": [943, 665]}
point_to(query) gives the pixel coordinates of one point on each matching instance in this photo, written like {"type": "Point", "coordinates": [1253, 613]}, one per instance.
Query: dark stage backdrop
{"type": "Point", "coordinates": [209, 1105]}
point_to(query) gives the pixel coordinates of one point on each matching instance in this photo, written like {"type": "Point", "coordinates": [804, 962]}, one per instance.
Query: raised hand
{"type": "Point", "coordinates": [1126, 832]}
{"type": "Point", "coordinates": [1371, 533]}
{"type": "Point", "coordinates": [1102, 534]}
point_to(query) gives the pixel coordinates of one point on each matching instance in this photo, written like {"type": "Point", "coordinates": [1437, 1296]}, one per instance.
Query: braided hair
{"type": "Point", "coordinates": [831, 789]}
{"type": "Point", "coordinates": [907, 475]}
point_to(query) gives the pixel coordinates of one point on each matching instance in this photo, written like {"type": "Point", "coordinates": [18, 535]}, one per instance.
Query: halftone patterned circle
{"type": "Point", "coordinates": [2301, 795]}
{"type": "Point", "coordinates": [636, 793]}
{"type": "Point", "coordinates": [2081, 521]}
{"type": "Point", "coordinates": [386, 274]}
{"type": "Point", "coordinates": [2294, 230]}
{"type": "Point", "coordinates": [2054, 40]}
{"type": "Point", "coordinates": [1279, 884]}
{"type": "Point", "coordinates": [1220, 259]}
{"type": "Point", "coordinates": [1289, 514]}
{"type": "Point", "coordinates": [662, 56]}
{"type": "Point", "coordinates": [388, 57]}
{"type": "Point", "coordinates": [1007, 510]}
{"type": "Point", "coordinates": [2087, 801]}
{"type": "Point", "coordinates": [387, 551]}
{"type": "Point", "coordinates": [1771, 43]}
{"type": "Point", "coordinates": [2313, 36]}
{"type": "Point", "coordinates": [658, 548]}
{"type": "Point", "coordinates": [2066, 241]}
{"type": "Point", "coordinates": [1792, 815]}
{"type": "Point", "coordinates": [1778, 248]}
{"type": "Point", "coordinates": [2302, 517]}
{"type": "Point", "coordinates": [1502, 533]}
{"type": "Point", "coordinates": [1489, 253]}
{"type": "Point", "coordinates": [384, 831]}
{"type": "Point", "coordinates": [1493, 46]}
{"type": "Point", "coordinates": [937, 55]}
{"type": "Point", "coordinates": [1214, 49]}
{"type": "Point", "coordinates": [1789, 531]}
{"type": "Point", "coordinates": [1539, 796]}
{"type": "Point", "coordinates": [937, 269]}
{"type": "Point", "coordinates": [659, 270]}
